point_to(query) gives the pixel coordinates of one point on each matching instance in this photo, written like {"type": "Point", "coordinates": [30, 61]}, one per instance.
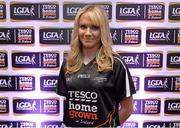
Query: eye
{"type": "Point", "coordinates": [94, 27]}
{"type": "Point", "coordinates": [82, 26]}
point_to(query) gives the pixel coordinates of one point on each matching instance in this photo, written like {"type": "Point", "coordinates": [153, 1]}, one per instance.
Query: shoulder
{"type": "Point", "coordinates": [118, 61]}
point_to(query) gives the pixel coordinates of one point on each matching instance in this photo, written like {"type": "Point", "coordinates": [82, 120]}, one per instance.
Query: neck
{"type": "Point", "coordinates": [89, 54]}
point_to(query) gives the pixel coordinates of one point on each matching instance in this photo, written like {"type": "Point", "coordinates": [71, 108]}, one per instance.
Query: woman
{"type": "Point", "coordinates": [96, 83]}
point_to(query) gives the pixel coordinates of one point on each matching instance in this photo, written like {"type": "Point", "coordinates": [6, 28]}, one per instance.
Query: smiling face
{"type": "Point", "coordinates": [89, 33]}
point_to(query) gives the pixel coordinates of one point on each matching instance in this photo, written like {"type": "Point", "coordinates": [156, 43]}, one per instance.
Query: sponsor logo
{"type": "Point", "coordinates": [17, 83]}
{"type": "Point", "coordinates": [136, 81]}
{"type": "Point", "coordinates": [126, 36]}
{"type": "Point", "coordinates": [51, 124]}
{"type": "Point", "coordinates": [100, 79]}
{"type": "Point", "coordinates": [38, 11]}
{"type": "Point", "coordinates": [25, 59]}
{"type": "Point", "coordinates": [50, 60]}
{"type": "Point", "coordinates": [153, 60]}
{"type": "Point", "coordinates": [15, 124]}
{"type": "Point", "coordinates": [3, 59]}
{"type": "Point", "coordinates": [26, 124]}
{"type": "Point", "coordinates": [130, 124]}
{"type": "Point", "coordinates": [26, 106]}
{"type": "Point", "coordinates": [36, 106]}
{"type": "Point", "coordinates": [172, 106]}
{"type": "Point", "coordinates": [35, 59]}
{"type": "Point", "coordinates": [155, 11]}
{"type": "Point", "coordinates": [160, 124]}
{"type": "Point", "coordinates": [50, 106]}
{"type": "Point", "coordinates": [151, 106]}
{"type": "Point", "coordinates": [177, 36]}
{"type": "Point", "coordinates": [55, 35]}
{"type": "Point", "coordinates": [142, 60]}
{"type": "Point", "coordinates": [131, 59]}
{"type": "Point", "coordinates": [155, 124]}
{"type": "Point", "coordinates": [173, 60]}
{"type": "Point", "coordinates": [176, 83]}
{"type": "Point", "coordinates": [83, 76]}
{"type": "Point", "coordinates": [6, 35]}
{"type": "Point", "coordinates": [16, 36]}
{"type": "Point", "coordinates": [162, 83]}
{"type": "Point", "coordinates": [157, 83]}
{"type": "Point", "coordinates": [174, 11]}
{"type": "Point", "coordinates": [162, 36]}
{"type": "Point", "coordinates": [71, 9]}
{"type": "Point", "coordinates": [86, 112]}
{"type": "Point", "coordinates": [4, 105]}
{"type": "Point", "coordinates": [49, 11]}
{"type": "Point", "coordinates": [22, 10]}
{"type": "Point", "coordinates": [26, 83]}
{"type": "Point", "coordinates": [6, 124]}
{"type": "Point", "coordinates": [133, 11]}
{"type": "Point", "coordinates": [146, 106]}
{"type": "Point", "coordinates": [2, 11]}
{"type": "Point", "coordinates": [5, 82]}
{"type": "Point", "coordinates": [24, 36]}
{"type": "Point", "coordinates": [48, 83]}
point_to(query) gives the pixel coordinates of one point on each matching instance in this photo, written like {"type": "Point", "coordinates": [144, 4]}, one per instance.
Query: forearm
{"type": "Point", "coordinates": [125, 110]}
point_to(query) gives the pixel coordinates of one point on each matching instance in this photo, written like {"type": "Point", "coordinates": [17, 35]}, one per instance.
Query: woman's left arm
{"type": "Point", "coordinates": [126, 109]}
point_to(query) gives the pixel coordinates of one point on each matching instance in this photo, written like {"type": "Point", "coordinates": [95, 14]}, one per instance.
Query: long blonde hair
{"type": "Point", "coordinates": [104, 57]}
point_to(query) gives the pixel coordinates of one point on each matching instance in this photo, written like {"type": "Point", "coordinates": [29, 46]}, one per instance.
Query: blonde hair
{"type": "Point", "coordinates": [104, 57]}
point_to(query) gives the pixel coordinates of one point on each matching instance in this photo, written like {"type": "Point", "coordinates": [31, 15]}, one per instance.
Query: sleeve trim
{"type": "Point", "coordinates": [128, 93]}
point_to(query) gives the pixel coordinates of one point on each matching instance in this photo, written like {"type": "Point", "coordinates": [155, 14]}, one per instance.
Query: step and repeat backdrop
{"type": "Point", "coordinates": [35, 37]}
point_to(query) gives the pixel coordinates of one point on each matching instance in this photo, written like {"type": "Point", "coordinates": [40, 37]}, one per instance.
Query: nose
{"type": "Point", "coordinates": [88, 31]}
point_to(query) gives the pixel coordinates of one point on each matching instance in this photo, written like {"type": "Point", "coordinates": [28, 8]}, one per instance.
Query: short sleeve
{"type": "Point", "coordinates": [61, 88]}
{"type": "Point", "coordinates": [124, 86]}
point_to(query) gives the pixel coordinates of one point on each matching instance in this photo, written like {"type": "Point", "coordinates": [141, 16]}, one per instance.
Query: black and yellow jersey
{"type": "Point", "coordinates": [92, 96]}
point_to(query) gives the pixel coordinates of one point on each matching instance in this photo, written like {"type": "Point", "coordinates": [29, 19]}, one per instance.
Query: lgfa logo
{"type": "Point", "coordinates": [24, 10]}
{"type": "Point", "coordinates": [53, 35]}
{"type": "Point", "coordinates": [176, 11]}
{"type": "Point", "coordinates": [160, 35]}
{"type": "Point", "coordinates": [131, 59]}
{"type": "Point", "coordinates": [25, 59]}
{"type": "Point", "coordinates": [6, 83]}
{"type": "Point", "coordinates": [26, 106]}
{"type": "Point", "coordinates": [130, 11]}
{"type": "Point", "coordinates": [175, 59]}
{"type": "Point", "coordinates": [51, 126]}
{"type": "Point", "coordinates": [155, 126]}
{"type": "Point", "coordinates": [5, 35]}
{"type": "Point", "coordinates": [50, 82]}
{"type": "Point", "coordinates": [174, 106]}
{"type": "Point", "coordinates": [158, 83]}
{"type": "Point", "coordinates": [72, 10]}
{"type": "Point", "coordinates": [6, 125]}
